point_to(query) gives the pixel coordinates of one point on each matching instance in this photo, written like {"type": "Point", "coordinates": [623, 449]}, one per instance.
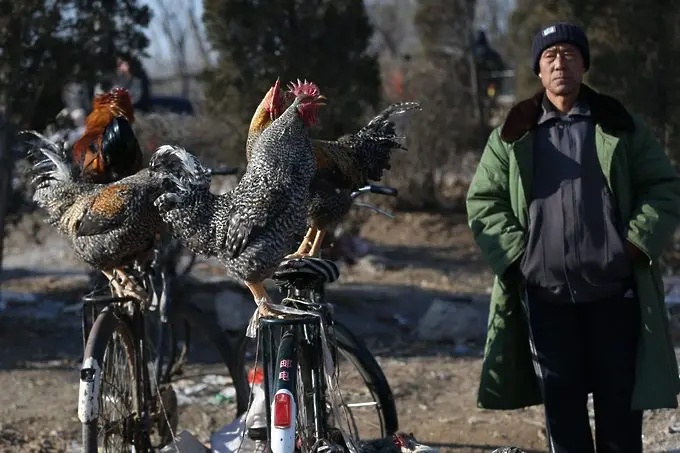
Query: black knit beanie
{"type": "Point", "coordinates": [560, 32]}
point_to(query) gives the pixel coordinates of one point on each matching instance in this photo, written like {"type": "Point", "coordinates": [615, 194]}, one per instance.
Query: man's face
{"type": "Point", "coordinates": [561, 69]}
{"type": "Point", "coordinates": [123, 66]}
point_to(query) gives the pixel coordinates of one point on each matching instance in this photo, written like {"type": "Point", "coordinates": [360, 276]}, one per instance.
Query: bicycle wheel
{"type": "Point", "coordinates": [366, 394]}
{"type": "Point", "coordinates": [109, 402]}
{"type": "Point", "coordinates": [371, 407]}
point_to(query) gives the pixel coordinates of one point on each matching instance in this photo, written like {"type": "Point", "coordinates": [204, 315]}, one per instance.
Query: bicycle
{"type": "Point", "coordinates": [151, 341]}
{"type": "Point", "coordinates": [300, 366]}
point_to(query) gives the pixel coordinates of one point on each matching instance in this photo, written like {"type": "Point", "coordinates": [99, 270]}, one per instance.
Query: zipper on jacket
{"type": "Point", "coordinates": [564, 262]}
{"type": "Point", "coordinates": [567, 131]}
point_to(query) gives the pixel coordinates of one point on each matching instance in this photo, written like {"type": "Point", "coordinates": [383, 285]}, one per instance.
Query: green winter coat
{"type": "Point", "coordinates": [647, 191]}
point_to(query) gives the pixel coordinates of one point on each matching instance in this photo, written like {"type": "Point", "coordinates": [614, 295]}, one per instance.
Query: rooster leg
{"type": "Point", "coordinates": [263, 302]}
{"type": "Point", "coordinates": [316, 246]}
{"type": "Point", "coordinates": [117, 288]}
{"type": "Point", "coordinates": [113, 284]}
{"type": "Point", "coordinates": [124, 286]}
{"type": "Point", "coordinates": [261, 297]}
{"type": "Point", "coordinates": [304, 245]}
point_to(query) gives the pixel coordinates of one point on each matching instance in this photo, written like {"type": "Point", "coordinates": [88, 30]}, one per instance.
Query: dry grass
{"type": "Point", "coordinates": [215, 140]}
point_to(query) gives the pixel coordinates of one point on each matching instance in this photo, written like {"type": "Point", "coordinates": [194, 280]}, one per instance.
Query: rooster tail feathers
{"type": "Point", "coordinates": [185, 197]}
{"type": "Point", "coordinates": [48, 161]}
{"type": "Point", "coordinates": [382, 124]}
{"type": "Point", "coordinates": [376, 141]}
{"type": "Point", "coordinates": [381, 131]}
{"type": "Point", "coordinates": [180, 167]}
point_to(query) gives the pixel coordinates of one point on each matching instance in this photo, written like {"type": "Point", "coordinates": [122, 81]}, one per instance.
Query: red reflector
{"type": "Point", "coordinates": [283, 409]}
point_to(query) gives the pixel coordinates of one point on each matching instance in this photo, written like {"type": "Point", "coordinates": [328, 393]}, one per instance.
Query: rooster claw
{"type": "Point", "coordinates": [123, 286]}
{"type": "Point", "coordinates": [262, 311]}
{"type": "Point", "coordinates": [294, 256]}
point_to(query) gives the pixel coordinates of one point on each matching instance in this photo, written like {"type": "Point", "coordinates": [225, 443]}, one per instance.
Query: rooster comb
{"type": "Point", "coordinates": [304, 87]}
{"type": "Point", "coordinates": [117, 93]}
{"type": "Point", "coordinates": [120, 91]}
{"type": "Point", "coordinates": [117, 101]}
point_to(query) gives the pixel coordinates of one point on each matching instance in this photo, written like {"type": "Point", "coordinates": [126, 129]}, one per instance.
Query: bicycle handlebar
{"type": "Point", "coordinates": [374, 188]}
{"type": "Point", "coordinates": [224, 170]}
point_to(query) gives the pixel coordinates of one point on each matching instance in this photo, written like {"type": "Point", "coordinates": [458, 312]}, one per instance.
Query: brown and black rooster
{"type": "Point", "coordinates": [109, 226]}
{"type": "Point", "coordinates": [252, 227]}
{"type": "Point", "coordinates": [343, 166]}
{"type": "Point", "coordinates": [270, 108]}
{"type": "Point", "coordinates": [108, 149]}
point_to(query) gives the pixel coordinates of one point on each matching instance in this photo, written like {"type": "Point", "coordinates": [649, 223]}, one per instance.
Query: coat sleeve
{"type": "Point", "coordinates": [656, 194]}
{"type": "Point", "coordinates": [490, 216]}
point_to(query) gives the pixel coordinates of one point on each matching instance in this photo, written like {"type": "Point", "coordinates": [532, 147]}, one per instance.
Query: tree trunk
{"type": "Point", "coordinates": [6, 164]}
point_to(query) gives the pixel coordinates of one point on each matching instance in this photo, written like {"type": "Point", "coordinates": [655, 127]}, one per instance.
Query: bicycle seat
{"type": "Point", "coordinates": [307, 268]}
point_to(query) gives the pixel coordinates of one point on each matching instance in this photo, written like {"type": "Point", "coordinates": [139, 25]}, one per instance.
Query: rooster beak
{"type": "Point", "coordinates": [321, 100]}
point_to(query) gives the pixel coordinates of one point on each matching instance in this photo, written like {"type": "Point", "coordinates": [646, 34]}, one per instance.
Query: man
{"type": "Point", "coordinates": [133, 79]}
{"type": "Point", "coordinates": [572, 203]}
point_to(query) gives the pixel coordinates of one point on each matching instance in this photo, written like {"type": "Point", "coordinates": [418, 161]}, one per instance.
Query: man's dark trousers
{"type": "Point", "coordinates": [582, 348]}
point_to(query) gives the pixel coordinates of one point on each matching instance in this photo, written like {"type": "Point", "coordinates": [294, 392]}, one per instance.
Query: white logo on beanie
{"type": "Point", "coordinates": [549, 30]}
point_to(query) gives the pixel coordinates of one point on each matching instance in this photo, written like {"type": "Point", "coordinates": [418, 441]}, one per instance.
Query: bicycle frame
{"type": "Point", "coordinates": [294, 338]}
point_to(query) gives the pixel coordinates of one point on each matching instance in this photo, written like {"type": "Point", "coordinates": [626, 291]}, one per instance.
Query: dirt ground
{"type": "Point", "coordinates": [421, 256]}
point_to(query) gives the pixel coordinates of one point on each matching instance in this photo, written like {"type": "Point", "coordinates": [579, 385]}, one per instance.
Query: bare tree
{"type": "Point", "coordinates": [393, 25]}
{"type": "Point", "coordinates": [439, 75]}
{"type": "Point", "coordinates": [178, 27]}
{"type": "Point", "coordinates": [492, 16]}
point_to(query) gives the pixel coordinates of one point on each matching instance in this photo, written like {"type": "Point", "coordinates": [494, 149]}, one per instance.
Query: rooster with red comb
{"type": "Point", "coordinates": [251, 228]}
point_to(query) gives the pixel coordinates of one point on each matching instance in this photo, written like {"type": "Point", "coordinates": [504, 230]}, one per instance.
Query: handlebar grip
{"type": "Point", "coordinates": [384, 190]}
{"type": "Point", "coordinates": [225, 170]}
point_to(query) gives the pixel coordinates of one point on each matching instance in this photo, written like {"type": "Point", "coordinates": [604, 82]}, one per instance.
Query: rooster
{"type": "Point", "coordinates": [110, 226]}
{"type": "Point", "coordinates": [108, 150]}
{"type": "Point", "coordinates": [250, 228]}
{"type": "Point", "coordinates": [270, 108]}
{"type": "Point", "coordinates": [343, 166]}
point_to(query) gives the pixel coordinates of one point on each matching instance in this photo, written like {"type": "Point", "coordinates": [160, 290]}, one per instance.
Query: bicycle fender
{"type": "Point", "coordinates": [88, 391]}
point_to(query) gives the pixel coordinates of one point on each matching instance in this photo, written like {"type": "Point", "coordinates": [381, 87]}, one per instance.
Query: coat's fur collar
{"type": "Point", "coordinates": [606, 111]}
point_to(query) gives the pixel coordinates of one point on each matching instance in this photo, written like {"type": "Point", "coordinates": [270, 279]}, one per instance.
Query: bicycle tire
{"type": "Point", "coordinates": [371, 373]}
{"type": "Point", "coordinates": [92, 377]}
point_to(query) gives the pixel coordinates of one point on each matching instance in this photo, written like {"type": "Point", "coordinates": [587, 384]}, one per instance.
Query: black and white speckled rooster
{"type": "Point", "coordinates": [251, 228]}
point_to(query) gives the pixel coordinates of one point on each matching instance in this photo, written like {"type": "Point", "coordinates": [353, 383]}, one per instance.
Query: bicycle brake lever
{"type": "Point", "coordinates": [375, 209]}
{"type": "Point", "coordinates": [155, 300]}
